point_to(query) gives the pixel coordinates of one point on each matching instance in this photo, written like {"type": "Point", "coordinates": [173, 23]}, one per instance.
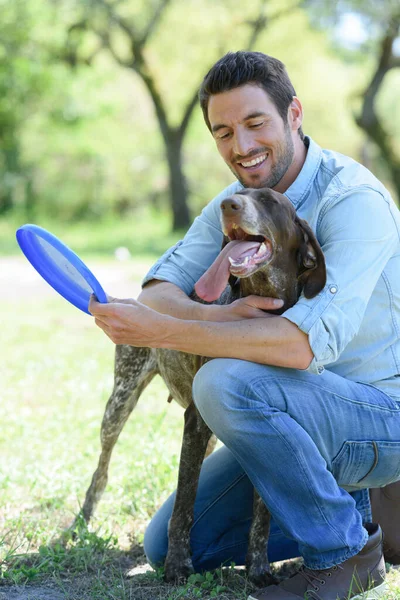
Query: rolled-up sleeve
{"type": "Point", "coordinates": [358, 234]}
{"type": "Point", "coordinates": [185, 263]}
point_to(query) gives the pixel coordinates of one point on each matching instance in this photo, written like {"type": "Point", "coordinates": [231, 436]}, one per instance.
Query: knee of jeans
{"type": "Point", "coordinates": [154, 546]}
{"type": "Point", "coordinates": [212, 389]}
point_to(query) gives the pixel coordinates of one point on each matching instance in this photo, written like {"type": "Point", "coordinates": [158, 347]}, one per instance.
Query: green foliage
{"type": "Point", "coordinates": [78, 135]}
{"type": "Point", "coordinates": [198, 584]}
{"type": "Point", "coordinates": [87, 552]}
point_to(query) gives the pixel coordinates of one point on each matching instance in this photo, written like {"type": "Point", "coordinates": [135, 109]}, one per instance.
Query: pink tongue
{"type": "Point", "coordinates": [211, 285]}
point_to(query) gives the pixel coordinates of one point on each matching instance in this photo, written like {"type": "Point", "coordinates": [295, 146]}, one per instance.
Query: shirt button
{"type": "Point", "coordinates": [333, 289]}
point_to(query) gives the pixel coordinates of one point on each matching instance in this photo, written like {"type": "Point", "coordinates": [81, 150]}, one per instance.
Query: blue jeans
{"type": "Point", "coordinates": [311, 446]}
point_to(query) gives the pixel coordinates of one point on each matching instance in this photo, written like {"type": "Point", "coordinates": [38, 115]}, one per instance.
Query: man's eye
{"type": "Point", "coordinates": [256, 125]}
{"type": "Point", "coordinates": [223, 136]}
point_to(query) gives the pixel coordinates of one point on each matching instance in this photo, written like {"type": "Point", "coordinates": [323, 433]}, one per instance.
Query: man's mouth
{"type": "Point", "coordinates": [254, 162]}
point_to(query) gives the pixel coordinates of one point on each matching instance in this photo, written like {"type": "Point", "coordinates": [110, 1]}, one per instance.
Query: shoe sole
{"type": "Point", "coordinates": [374, 594]}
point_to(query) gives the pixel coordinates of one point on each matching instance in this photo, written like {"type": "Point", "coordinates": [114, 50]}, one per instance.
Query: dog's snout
{"type": "Point", "coordinates": [231, 206]}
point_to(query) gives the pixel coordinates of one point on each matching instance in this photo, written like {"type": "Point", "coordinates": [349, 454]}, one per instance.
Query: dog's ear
{"type": "Point", "coordinates": [311, 261]}
{"type": "Point", "coordinates": [232, 281]}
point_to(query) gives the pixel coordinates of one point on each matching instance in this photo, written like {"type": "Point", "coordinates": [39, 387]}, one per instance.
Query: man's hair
{"type": "Point", "coordinates": [236, 69]}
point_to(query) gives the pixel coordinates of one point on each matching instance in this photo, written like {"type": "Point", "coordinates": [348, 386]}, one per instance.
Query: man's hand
{"type": "Point", "coordinates": [129, 322]}
{"type": "Point", "coordinates": [251, 307]}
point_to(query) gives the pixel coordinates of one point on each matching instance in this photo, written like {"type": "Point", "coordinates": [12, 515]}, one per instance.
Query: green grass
{"type": "Point", "coordinates": [56, 375]}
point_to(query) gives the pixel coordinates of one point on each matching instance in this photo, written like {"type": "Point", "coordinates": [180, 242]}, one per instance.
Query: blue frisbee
{"type": "Point", "coordinates": [59, 266]}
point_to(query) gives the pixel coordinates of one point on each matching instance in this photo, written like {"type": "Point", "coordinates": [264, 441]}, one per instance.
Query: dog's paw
{"type": "Point", "coordinates": [177, 571]}
{"type": "Point", "coordinates": [261, 576]}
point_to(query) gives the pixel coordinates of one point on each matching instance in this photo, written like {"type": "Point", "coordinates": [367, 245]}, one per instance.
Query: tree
{"type": "Point", "coordinates": [126, 36]}
{"type": "Point", "coordinates": [381, 27]}
{"type": "Point", "coordinates": [368, 119]}
{"type": "Point", "coordinates": [19, 88]}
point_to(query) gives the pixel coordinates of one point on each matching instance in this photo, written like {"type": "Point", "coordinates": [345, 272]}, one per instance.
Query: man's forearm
{"type": "Point", "coordinates": [168, 299]}
{"type": "Point", "coordinates": [266, 339]}
{"type": "Point", "coordinates": [274, 341]}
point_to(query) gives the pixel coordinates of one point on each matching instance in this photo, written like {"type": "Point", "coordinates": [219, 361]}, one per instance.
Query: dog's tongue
{"type": "Point", "coordinates": [211, 285]}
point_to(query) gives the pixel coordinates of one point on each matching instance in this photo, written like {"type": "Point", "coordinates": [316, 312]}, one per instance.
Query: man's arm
{"type": "Point", "coordinates": [168, 299]}
{"type": "Point", "coordinates": [269, 340]}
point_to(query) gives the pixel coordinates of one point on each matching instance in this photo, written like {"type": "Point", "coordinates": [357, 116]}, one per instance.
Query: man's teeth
{"type": "Point", "coordinates": [255, 161]}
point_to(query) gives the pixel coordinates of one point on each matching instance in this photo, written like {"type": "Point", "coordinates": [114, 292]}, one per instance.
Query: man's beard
{"type": "Point", "coordinates": [284, 154]}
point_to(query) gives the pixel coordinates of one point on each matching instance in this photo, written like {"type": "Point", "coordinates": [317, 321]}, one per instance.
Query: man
{"type": "Point", "coordinates": [307, 404]}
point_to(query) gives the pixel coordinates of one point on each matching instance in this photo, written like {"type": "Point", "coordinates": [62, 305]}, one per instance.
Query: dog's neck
{"type": "Point", "coordinates": [273, 282]}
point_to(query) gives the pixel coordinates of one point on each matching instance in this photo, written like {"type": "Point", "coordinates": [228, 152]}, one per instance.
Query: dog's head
{"type": "Point", "coordinates": [272, 239]}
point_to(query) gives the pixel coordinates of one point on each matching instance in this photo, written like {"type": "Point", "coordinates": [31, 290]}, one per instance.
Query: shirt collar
{"type": "Point", "coordinates": [303, 182]}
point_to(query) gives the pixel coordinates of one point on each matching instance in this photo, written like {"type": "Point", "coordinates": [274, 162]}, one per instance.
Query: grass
{"type": "Point", "coordinates": [56, 373]}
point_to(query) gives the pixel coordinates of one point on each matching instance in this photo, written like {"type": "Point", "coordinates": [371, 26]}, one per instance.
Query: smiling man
{"type": "Point", "coordinates": [307, 404]}
{"type": "Point", "coordinates": [254, 141]}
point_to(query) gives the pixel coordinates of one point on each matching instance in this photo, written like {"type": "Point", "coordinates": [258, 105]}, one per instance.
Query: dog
{"type": "Point", "coordinates": [267, 251]}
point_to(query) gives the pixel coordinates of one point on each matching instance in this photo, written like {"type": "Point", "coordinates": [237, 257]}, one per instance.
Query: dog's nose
{"type": "Point", "coordinates": [231, 206]}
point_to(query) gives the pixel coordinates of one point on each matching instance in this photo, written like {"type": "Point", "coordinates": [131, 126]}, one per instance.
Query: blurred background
{"type": "Point", "coordinates": [100, 130]}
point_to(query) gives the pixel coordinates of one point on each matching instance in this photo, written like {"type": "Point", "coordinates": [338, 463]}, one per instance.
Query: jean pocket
{"type": "Point", "coordinates": [367, 464]}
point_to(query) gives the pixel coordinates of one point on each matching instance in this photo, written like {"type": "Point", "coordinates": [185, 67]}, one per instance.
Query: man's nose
{"type": "Point", "coordinates": [243, 143]}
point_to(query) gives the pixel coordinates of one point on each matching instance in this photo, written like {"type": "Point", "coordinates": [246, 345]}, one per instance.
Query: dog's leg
{"type": "Point", "coordinates": [196, 434]}
{"type": "Point", "coordinates": [134, 369]}
{"type": "Point", "coordinates": [257, 564]}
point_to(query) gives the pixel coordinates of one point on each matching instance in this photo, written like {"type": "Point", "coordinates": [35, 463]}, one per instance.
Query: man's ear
{"type": "Point", "coordinates": [295, 114]}
{"type": "Point", "coordinates": [232, 281]}
{"type": "Point", "coordinates": [311, 261]}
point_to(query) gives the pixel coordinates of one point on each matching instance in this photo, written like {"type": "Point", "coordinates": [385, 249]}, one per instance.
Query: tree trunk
{"type": "Point", "coordinates": [369, 120]}
{"type": "Point", "coordinates": [177, 182]}
{"type": "Point", "coordinates": [11, 167]}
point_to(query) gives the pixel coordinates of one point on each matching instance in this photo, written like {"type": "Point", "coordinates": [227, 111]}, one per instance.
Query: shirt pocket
{"type": "Point", "coordinates": [365, 464]}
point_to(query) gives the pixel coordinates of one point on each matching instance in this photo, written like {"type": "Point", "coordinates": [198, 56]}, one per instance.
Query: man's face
{"type": "Point", "coordinates": [251, 136]}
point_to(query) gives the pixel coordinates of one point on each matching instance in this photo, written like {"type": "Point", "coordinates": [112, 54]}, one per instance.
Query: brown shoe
{"type": "Point", "coordinates": [361, 577]}
{"type": "Point", "coordinates": [385, 504]}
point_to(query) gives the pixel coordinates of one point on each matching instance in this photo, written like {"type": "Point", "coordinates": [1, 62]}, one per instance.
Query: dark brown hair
{"type": "Point", "coordinates": [240, 68]}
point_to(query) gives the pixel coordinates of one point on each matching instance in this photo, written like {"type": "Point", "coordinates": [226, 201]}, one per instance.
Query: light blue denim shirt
{"type": "Point", "coordinates": [353, 325]}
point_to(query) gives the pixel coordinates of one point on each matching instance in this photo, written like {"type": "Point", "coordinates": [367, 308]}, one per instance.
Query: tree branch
{"type": "Point", "coordinates": [106, 43]}
{"type": "Point", "coordinates": [258, 25]}
{"type": "Point", "coordinates": [395, 63]}
{"type": "Point", "coordinates": [368, 115]}
{"type": "Point", "coordinates": [138, 62]}
{"type": "Point", "coordinates": [191, 105]}
{"type": "Point", "coordinates": [152, 24]}
{"type": "Point", "coordinates": [368, 120]}
{"type": "Point", "coordinates": [263, 20]}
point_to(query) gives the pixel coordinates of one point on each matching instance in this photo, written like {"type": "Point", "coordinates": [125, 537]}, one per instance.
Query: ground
{"type": "Point", "coordinates": [56, 376]}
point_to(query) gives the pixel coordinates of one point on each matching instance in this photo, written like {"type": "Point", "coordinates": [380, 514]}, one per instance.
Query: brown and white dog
{"type": "Point", "coordinates": [268, 251]}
